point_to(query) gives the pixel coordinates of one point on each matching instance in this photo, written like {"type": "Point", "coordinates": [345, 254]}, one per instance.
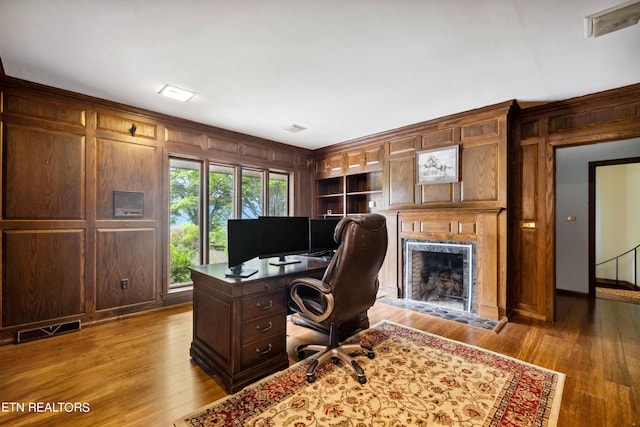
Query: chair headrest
{"type": "Point", "coordinates": [371, 222]}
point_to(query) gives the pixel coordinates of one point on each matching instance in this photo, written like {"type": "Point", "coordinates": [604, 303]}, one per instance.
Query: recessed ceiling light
{"type": "Point", "coordinates": [176, 93]}
{"type": "Point", "coordinates": [613, 19]}
{"type": "Point", "coordinates": [294, 128]}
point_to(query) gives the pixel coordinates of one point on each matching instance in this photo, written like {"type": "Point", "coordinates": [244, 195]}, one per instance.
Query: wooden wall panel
{"type": "Point", "coordinates": [43, 174]}
{"type": "Point", "coordinates": [252, 153]}
{"type": "Point", "coordinates": [400, 177]}
{"type": "Point", "coordinates": [529, 190]}
{"type": "Point", "coordinates": [487, 129]}
{"type": "Point", "coordinates": [126, 167]}
{"type": "Point", "coordinates": [401, 183]}
{"type": "Point", "coordinates": [222, 147]}
{"type": "Point", "coordinates": [441, 138]}
{"type": "Point", "coordinates": [40, 108]}
{"type": "Point", "coordinates": [179, 136]}
{"type": "Point", "coordinates": [122, 124]}
{"type": "Point", "coordinates": [125, 254]}
{"type": "Point", "coordinates": [440, 193]}
{"type": "Point", "coordinates": [43, 275]}
{"type": "Point", "coordinates": [479, 173]}
{"type": "Point", "coordinates": [283, 157]}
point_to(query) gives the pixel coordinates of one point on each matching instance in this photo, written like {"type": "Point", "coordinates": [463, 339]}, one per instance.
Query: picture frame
{"type": "Point", "coordinates": [438, 165]}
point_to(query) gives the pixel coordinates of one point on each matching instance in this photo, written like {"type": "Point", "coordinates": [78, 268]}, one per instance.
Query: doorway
{"type": "Point", "coordinates": [614, 234]}
{"type": "Point", "coordinates": [573, 233]}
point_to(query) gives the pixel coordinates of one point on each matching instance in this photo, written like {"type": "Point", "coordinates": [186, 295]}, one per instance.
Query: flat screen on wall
{"type": "Point", "coordinates": [283, 235]}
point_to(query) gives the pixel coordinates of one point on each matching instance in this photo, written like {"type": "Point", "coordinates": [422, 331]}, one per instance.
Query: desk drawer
{"type": "Point", "coordinates": [259, 328]}
{"type": "Point", "coordinates": [263, 350]}
{"type": "Point", "coordinates": [264, 285]}
{"type": "Point", "coordinates": [263, 305]}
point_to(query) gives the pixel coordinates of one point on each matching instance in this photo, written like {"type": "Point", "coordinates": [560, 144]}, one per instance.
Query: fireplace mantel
{"type": "Point", "coordinates": [485, 227]}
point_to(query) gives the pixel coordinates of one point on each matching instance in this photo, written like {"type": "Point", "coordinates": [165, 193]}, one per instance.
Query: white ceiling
{"type": "Point", "coordinates": [342, 68]}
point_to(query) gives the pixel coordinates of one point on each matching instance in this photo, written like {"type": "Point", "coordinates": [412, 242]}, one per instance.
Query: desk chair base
{"type": "Point", "coordinates": [330, 352]}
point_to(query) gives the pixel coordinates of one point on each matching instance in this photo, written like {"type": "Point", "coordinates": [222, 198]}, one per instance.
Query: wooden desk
{"type": "Point", "coordinates": [240, 324]}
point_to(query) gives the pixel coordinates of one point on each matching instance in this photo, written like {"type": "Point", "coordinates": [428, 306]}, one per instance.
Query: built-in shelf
{"type": "Point", "coordinates": [349, 195]}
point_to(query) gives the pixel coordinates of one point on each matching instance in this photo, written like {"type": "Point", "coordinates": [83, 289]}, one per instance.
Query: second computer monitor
{"type": "Point", "coordinates": [321, 231]}
{"type": "Point", "coordinates": [283, 235]}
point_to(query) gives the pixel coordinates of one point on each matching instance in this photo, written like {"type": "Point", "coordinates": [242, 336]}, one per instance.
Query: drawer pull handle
{"type": "Point", "coordinates": [265, 307]}
{"type": "Point", "coordinates": [263, 352]}
{"type": "Point", "coordinates": [264, 328]}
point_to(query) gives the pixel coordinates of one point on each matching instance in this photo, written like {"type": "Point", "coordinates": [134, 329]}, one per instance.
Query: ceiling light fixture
{"type": "Point", "coordinates": [613, 19]}
{"type": "Point", "coordinates": [176, 93]}
{"type": "Point", "coordinates": [294, 128]}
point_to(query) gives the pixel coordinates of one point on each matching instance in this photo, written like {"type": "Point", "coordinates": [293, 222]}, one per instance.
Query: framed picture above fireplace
{"type": "Point", "coordinates": [438, 165]}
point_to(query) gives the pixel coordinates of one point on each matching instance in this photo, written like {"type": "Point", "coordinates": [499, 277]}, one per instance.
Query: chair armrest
{"type": "Point", "coordinates": [322, 289]}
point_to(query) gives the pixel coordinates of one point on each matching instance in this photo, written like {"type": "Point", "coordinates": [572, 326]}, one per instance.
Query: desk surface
{"type": "Point", "coordinates": [265, 270]}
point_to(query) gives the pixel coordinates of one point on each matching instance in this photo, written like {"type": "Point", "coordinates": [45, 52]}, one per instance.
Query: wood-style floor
{"type": "Point", "coordinates": [137, 371]}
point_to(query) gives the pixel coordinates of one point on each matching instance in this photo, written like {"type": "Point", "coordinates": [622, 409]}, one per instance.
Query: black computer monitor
{"type": "Point", "coordinates": [283, 235]}
{"type": "Point", "coordinates": [321, 232]}
{"type": "Point", "coordinates": [242, 244]}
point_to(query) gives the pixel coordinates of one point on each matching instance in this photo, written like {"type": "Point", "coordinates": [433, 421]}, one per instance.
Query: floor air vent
{"type": "Point", "coordinates": [48, 331]}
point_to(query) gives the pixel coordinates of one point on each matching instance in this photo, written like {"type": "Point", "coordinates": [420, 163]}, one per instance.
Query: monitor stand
{"type": "Point", "coordinates": [284, 261]}
{"type": "Point", "coordinates": [239, 271]}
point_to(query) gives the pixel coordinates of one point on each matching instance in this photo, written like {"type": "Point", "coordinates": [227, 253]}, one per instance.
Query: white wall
{"type": "Point", "coordinates": [572, 199]}
{"type": "Point", "coordinates": [616, 231]}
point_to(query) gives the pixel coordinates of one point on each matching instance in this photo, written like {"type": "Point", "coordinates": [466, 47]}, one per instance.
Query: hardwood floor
{"type": "Point", "coordinates": [137, 371]}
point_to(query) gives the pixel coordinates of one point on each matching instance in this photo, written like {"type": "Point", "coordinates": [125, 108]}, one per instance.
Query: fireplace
{"type": "Point", "coordinates": [441, 273]}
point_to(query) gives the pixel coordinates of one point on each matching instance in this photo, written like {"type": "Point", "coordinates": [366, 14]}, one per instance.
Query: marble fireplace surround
{"type": "Point", "coordinates": [484, 227]}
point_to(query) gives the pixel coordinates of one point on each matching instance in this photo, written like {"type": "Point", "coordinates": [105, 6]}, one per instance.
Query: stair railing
{"type": "Point", "coordinates": [635, 266]}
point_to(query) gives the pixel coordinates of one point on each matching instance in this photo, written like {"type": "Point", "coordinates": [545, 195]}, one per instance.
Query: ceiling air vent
{"type": "Point", "coordinates": [613, 19]}
{"type": "Point", "coordinates": [294, 128]}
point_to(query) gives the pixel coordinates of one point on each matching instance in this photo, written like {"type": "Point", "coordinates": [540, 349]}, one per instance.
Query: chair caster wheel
{"type": "Point", "coordinates": [311, 378]}
{"type": "Point", "coordinates": [371, 355]}
{"type": "Point", "coordinates": [362, 380]}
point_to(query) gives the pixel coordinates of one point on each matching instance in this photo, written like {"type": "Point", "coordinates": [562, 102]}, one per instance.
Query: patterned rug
{"type": "Point", "coordinates": [416, 379]}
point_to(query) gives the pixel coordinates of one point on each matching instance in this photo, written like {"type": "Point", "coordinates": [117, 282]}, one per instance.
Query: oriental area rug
{"type": "Point", "coordinates": [415, 379]}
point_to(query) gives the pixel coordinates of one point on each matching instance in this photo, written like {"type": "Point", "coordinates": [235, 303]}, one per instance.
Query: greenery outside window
{"type": "Point", "coordinates": [252, 193]}
{"type": "Point", "coordinates": [278, 194]}
{"type": "Point", "coordinates": [197, 187]}
{"type": "Point", "coordinates": [184, 219]}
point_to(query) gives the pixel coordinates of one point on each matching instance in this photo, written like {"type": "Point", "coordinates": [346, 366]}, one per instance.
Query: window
{"type": "Point", "coordinates": [197, 187]}
{"type": "Point", "coordinates": [220, 210]}
{"type": "Point", "coordinates": [278, 194]}
{"type": "Point", "coordinates": [184, 219]}
{"type": "Point", "coordinates": [252, 191]}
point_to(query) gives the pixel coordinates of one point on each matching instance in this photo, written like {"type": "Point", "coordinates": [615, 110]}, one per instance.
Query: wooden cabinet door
{"type": "Point", "coordinates": [332, 165]}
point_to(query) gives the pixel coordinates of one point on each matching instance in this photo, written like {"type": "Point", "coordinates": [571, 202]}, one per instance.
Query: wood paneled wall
{"type": "Point", "coordinates": [603, 117]}
{"type": "Point", "coordinates": [474, 208]}
{"type": "Point", "coordinates": [63, 252]}
{"type": "Point", "coordinates": [507, 163]}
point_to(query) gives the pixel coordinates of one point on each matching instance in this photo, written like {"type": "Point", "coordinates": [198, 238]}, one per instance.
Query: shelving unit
{"type": "Point", "coordinates": [330, 199]}
{"type": "Point", "coordinates": [348, 195]}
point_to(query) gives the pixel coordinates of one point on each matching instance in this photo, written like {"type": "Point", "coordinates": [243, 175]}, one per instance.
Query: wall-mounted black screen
{"type": "Point", "coordinates": [242, 243]}
{"type": "Point", "coordinates": [321, 234]}
{"type": "Point", "coordinates": [283, 235]}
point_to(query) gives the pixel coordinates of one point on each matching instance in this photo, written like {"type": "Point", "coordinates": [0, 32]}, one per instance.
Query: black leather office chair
{"type": "Point", "coordinates": [348, 288]}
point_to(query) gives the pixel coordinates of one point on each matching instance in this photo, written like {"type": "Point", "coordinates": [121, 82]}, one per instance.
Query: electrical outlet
{"type": "Point", "coordinates": [124, 283]}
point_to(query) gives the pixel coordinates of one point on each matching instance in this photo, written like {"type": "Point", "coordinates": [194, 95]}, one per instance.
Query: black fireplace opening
{"type": "Point", "coordinates": [440, 273]}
